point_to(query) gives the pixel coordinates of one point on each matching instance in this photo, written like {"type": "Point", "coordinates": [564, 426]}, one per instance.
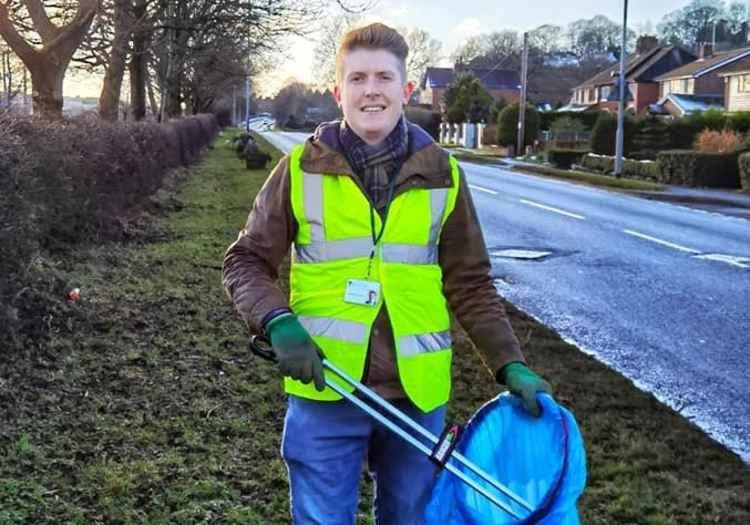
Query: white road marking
{"type": "Point", "coordinates": [659, 241]}
{"type": "Point", "coordinates": [479, 188]}
{"type": "Point", "coordinates": [740, 262]}
{"type": "Point", "coordinates": [555, 210]}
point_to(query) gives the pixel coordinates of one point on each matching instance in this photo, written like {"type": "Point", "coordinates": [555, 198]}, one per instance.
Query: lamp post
{"type": "Point", "coordinates": [620, 141]}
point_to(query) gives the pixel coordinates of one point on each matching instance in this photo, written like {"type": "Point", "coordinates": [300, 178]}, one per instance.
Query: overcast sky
{"type": "Point", "coordinates": [453, 21]}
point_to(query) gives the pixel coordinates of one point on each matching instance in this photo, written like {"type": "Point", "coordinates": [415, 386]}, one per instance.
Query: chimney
{"type": "Point", "coordinates": [646, 43]}
{"type": "Point", "coordinates": [705, 50]}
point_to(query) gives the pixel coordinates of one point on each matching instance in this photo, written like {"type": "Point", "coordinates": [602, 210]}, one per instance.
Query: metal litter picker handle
{"type": "Point", "coordinates": [257, 344]}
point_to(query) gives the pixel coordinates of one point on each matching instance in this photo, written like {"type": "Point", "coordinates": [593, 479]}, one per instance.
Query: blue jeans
{"type": "Point", "coordinates": [324, 445]}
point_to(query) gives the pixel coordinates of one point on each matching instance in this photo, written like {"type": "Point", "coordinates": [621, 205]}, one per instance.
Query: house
{"type": "Point", "coordinates": [737, 85]}
{"type": "Point", "coordinates": [499, 83]}
{"type": "Point", "coordinates": [641, 70]}
{"type": "Point", "coordinates": [698, 85]}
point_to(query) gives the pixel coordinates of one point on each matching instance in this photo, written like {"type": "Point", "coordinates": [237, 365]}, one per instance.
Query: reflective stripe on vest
{"type": "Point", "coordinates": [348, 331]}
{"type": "Point", "coordinates": [418, 344]}
{"type": "Point", "coordinates": [320, 250]}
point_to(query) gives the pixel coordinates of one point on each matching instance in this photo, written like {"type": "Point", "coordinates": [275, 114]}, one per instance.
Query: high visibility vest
{"type": "Point", "coordinates": [333, 245]}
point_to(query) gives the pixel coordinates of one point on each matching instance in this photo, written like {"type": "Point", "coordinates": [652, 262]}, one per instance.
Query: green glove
{"type": "Point", "coordinates": [296, 352]}
{"type": "Point", "coordinates": [525, 383]}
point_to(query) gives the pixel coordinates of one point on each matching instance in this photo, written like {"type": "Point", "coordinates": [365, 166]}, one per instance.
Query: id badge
{"type": "Point", "coordinates": [362, 292]}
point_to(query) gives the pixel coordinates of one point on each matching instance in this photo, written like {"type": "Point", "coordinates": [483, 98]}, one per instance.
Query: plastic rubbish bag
{"type": "Point", "coordinates": [541, 460]}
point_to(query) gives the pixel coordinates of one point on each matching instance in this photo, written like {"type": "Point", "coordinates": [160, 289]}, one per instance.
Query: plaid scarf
{"type": "Point", "coordinates": [376, 165]}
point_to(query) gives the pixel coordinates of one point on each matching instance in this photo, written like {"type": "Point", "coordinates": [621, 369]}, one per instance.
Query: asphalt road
{"type": "Point", "coordinates": [657, 291]}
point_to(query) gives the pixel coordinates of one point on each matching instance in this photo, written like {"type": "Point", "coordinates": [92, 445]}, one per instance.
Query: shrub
{"type": "Point", "coordinates": [631, 169]}
{"type": "Point", "coordinates": [567, 124]}
{"type": "Point", "coordinates": [587, 118]}
{"type": "Point", "coordinates": [739, 122]}
{"type": "Point", "coordinates": [426, 119]}
{"type": "Point", "coordinates": [489, 135]}
{"type": "Point", "coordinates": [564, 158]}
{"type": "Point", "coordinates": [693, 168]}
{"type": "Point", "coordinates": [649, 138]}
{"type": "Point", "coordinates": [744, 165]}
{"type": "Point", "coordinates": [600, 163]}
{"type": "Point", "coordinates": [604, 134]}
{"type": "Point", "coordinates": [713, 119]}
{"type": "Point", "coordinates": [682, 134]}
{"type": "Point", "coordinates": [507, 125]}
{"type": "Point", "coordinates": [710, 141]}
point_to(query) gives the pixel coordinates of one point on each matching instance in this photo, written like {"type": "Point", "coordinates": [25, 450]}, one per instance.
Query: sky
{"type": "Point", "coordinates": [451, 25]}
{"type": "Point", "coordinates": [446, 22]}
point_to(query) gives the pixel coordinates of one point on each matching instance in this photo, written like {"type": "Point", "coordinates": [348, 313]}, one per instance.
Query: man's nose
{"type": "Point", "coordinates": [371, 87]}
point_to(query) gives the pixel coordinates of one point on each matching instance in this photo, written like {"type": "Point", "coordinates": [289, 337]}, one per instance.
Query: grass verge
{"type": "Point", "coordinates": [591, 178]}
{"type": "Point", "coordinates": [146, 406]}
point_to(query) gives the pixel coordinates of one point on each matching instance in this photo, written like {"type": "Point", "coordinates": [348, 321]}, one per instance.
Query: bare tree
{"type": "Point", "coordinates": [109, 100]}
{"type": "Point", "coordinates": [48, 64]}
{"type": "Point", "coordinates": [327, 45]}
{"type": "Point", "coordinates": [423, 51]}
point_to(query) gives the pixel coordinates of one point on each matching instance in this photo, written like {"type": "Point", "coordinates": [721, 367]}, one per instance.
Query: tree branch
{"type": "Point", "coordinates": [16, 42]}
{"type": "Point", "coordinates": [46, 29]}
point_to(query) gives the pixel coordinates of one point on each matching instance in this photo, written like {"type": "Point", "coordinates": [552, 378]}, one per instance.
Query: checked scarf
{"type": "Point", "coordinates": [375, 165]}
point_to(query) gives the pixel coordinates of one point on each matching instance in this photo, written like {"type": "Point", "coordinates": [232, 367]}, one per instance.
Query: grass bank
{"type": "Point", "coordinates": [146, 407]}
{"type": "Point", "coordinates": [591, 179]}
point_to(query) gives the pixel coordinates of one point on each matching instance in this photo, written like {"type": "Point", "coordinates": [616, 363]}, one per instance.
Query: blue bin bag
{"type": "Point", "coordinates": [541, 460]}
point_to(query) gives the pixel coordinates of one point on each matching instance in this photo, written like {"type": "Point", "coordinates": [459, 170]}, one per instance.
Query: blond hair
{"type": "Point", "coordinates": [373, 36]}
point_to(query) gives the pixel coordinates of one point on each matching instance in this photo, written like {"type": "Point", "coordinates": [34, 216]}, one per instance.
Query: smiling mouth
{"type": "Point", "coordinates": [373, 109]}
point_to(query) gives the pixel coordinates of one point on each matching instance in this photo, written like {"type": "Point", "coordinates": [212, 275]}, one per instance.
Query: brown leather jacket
{"type": "Point", "coordinates": [251, 263]}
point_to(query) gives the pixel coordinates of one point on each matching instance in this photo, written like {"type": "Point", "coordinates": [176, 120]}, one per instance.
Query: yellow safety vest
{"type": "Point", "coordinates": [333, 245]}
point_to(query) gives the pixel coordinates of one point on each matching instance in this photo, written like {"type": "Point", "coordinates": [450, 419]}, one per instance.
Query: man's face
{"type": "Point", "coordinates": [372, 93]}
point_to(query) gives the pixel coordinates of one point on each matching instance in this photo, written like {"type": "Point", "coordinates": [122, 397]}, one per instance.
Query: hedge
{"type": "Point", "coordinates": [507, 126]}
{"type": "Point", "coordinates": [426, 119]}
{"type": "Point", "coordinates": [744, 165]}
{"type": "Point", "coordinates": [564, 158]}
{"type": "Point", "coordinates": [65, 182]}
{"type": "Point", "coordinates": [692, 168]}
{"type": "Point", "coordinates": [631, 169]}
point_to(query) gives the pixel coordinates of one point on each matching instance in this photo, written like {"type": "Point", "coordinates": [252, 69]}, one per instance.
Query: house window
{"type": "Point", "coordinates": [685, 85]}
{"type": "Point", "coordinates": [744, 83]}
{"type": "Point", "coordinates": [605, 92]}
{"type": "Point", "coordinates": [592, 95]}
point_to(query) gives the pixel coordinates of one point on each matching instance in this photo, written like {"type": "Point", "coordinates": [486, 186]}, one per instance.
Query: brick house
{"type": "Point", "coordinates": [699, 85]}
{"type": "Point", "coordinates": [650, 61]}
{"type": "Point", "coordinates": [737, 85]}
{"type": "Point", "coordinates": [499, 83]}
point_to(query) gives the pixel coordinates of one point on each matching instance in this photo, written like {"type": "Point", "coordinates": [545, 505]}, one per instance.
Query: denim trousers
{"type": "Point", "coordinates": [324, 446]}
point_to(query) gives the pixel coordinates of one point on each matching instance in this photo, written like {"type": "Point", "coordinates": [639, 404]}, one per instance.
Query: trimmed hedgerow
{"type": "Point", "coordinates": [693, 168]}
{"type": "Point", "coordinates": [744, 165]}
{"type": "Point", "coordinates": [564, 158]}
{"type": "Point", "coordinates": [68, 181]}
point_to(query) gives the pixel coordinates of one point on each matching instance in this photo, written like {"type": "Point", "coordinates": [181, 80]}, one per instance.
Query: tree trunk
{"type": "Point", "coordinates": [47, 88]}
{"type": "Point", "coordinates": [151, 96]}
{"type": "Point", "coordinates": [109, 100]}
{"type": "Point", "coordinates": [48, 64]}
{"type": "Point", "coordinates": [137, 65]}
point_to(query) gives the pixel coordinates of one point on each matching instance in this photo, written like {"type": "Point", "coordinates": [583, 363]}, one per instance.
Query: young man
{"type": "Point", "coordinates": [384, 240]}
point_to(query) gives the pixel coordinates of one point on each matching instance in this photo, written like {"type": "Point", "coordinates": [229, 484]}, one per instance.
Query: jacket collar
{"type": "Point", "coordinates": [324, 154]}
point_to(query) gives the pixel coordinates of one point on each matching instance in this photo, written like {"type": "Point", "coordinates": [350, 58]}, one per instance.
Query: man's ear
{"type": "Point", "coordinates": [408, 90]}
{"type": "Point", "coordinates": [337, 94]}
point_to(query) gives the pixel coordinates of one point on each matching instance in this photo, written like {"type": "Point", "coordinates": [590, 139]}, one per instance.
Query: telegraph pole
{"type": "Point", "coordinates": [620, 144]}
{"type": "Point", "coordinates": [522, 103]}
{"type": "Point", "coordinates": [247, 103]}
{"type": "Point", "coordinates": [234, 105]}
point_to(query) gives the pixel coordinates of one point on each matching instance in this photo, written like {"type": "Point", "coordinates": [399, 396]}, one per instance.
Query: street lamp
{"type": "Point", "coordinates": [619, 145]}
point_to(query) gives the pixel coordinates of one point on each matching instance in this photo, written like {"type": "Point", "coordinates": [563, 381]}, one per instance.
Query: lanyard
{"type": "Point", "coordinates": [376, 237]}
